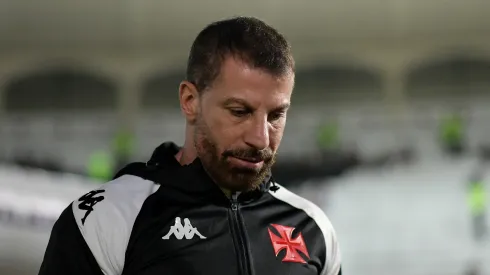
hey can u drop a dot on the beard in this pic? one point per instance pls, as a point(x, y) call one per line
point(217, 165)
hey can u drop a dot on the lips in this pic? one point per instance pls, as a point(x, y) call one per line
point(253, 160)
point(246, 163)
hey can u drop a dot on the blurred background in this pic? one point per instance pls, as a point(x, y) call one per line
point(388, 133)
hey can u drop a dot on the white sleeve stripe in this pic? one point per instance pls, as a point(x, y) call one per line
point(108, 227)
point(332, 260)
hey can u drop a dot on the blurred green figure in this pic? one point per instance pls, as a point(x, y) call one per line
point(123, 148)
point(452, 134)
point(100, 166)
point(328, 137)
point(477, 202)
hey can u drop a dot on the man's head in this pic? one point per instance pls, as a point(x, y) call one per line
point(240, 77)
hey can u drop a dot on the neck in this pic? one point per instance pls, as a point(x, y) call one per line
point(188, 154)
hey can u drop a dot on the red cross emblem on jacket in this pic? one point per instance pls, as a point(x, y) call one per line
point(286, 241)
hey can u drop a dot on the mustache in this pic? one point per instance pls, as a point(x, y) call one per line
point(250, 154)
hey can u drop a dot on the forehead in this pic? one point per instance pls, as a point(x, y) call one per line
point(255, 86)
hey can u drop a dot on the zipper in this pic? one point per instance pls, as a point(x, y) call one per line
point(239, 235)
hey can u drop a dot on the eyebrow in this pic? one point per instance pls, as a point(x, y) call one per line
point(234, 100)
point(282, 107)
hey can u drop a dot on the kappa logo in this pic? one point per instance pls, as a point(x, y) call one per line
point(88, 201)
point(286, 241)
point(180, 231)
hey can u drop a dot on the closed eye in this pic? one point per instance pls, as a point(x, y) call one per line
point(239, 112)
point(276, 116)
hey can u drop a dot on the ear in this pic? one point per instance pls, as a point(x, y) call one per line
point(189, 101)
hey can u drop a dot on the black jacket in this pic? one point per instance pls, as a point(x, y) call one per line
point(164, 218)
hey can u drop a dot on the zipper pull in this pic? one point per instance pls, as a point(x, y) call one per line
point(234, 201)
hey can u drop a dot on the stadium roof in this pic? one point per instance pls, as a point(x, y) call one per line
point(172, 24)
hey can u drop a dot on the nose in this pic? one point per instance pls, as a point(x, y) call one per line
point(257, 135)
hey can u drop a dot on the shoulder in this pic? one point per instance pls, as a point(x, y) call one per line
point(310, 208)
point(332, 261)
point(105, 217)
point(120, 198)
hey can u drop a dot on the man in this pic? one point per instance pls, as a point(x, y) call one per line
point(477, 202)
point(452, 134)
point(237, 220)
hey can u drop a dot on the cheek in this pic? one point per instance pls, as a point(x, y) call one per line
point(224, 132)
point(230, 137)
point(275, 137)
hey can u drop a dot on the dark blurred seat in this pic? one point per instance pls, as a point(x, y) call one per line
point(291, 171)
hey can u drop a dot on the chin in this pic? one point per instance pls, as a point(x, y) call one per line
point(239, 185)
point(248, 185)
